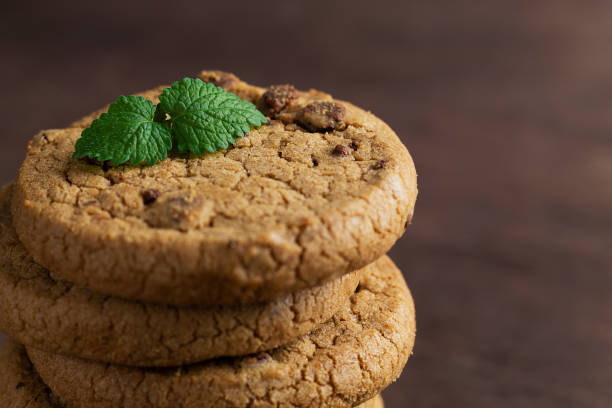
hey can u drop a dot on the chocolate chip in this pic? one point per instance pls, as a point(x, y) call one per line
point(219, 78)
point(315, 162)
point(379, 165)
point(280, 154)
point(19, 385)
point(181, 210)
point(341, 150)
point(322, 116)
point(354, 145)
point(277, 97)
point(149, 196)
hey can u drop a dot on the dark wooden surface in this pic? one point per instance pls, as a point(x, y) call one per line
point(506, 107)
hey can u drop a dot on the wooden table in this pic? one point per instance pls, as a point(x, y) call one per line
point(505, 105)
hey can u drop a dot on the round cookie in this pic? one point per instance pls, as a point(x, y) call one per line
point(20, 386)
point(61, 318)
point(348, 360)
point(324, 188)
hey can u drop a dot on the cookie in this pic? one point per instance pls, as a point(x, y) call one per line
point(348, 360)
point(324, 188)
point(58, 317)
point(20, 385)
point(376, 402)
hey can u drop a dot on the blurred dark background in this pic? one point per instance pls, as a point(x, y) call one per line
point(506, 107)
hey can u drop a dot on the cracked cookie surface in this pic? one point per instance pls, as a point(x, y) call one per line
point(279, 211)
point(58, 317)
point(21, 387)
point(350, 359)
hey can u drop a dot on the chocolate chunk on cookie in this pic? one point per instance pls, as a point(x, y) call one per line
point(322, 116)
point(345, 362)
point(277, 97)
point(56, 316)
point(182, 210)
point(295, 215)
point(341, 150)
point(220, 78)
point(150, 195)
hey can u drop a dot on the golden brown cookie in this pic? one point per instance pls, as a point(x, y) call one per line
point(58, 317)
point(20, 386)
point(348, 360)
point(323, 189)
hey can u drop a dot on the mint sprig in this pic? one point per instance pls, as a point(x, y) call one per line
point(125, 133)
point(203, 117)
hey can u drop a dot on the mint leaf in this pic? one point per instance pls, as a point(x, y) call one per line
point(127, 132)
point(205, 117)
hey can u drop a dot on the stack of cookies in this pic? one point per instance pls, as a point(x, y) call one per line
point(253, 277)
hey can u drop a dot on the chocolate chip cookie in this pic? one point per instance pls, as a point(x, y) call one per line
point(20, 385)
point(348, 360)
point(322, 189)
point(56, 316)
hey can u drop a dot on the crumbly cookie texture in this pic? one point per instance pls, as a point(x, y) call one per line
point(323, 189)
point(20, 386)
point(350, 359)
point(56, 316)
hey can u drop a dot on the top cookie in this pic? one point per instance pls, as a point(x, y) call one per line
point(322, 189)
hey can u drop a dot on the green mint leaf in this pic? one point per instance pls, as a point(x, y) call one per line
point(205, 117)
point(127, 132)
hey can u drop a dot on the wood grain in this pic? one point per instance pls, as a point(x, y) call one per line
point(505, 106)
